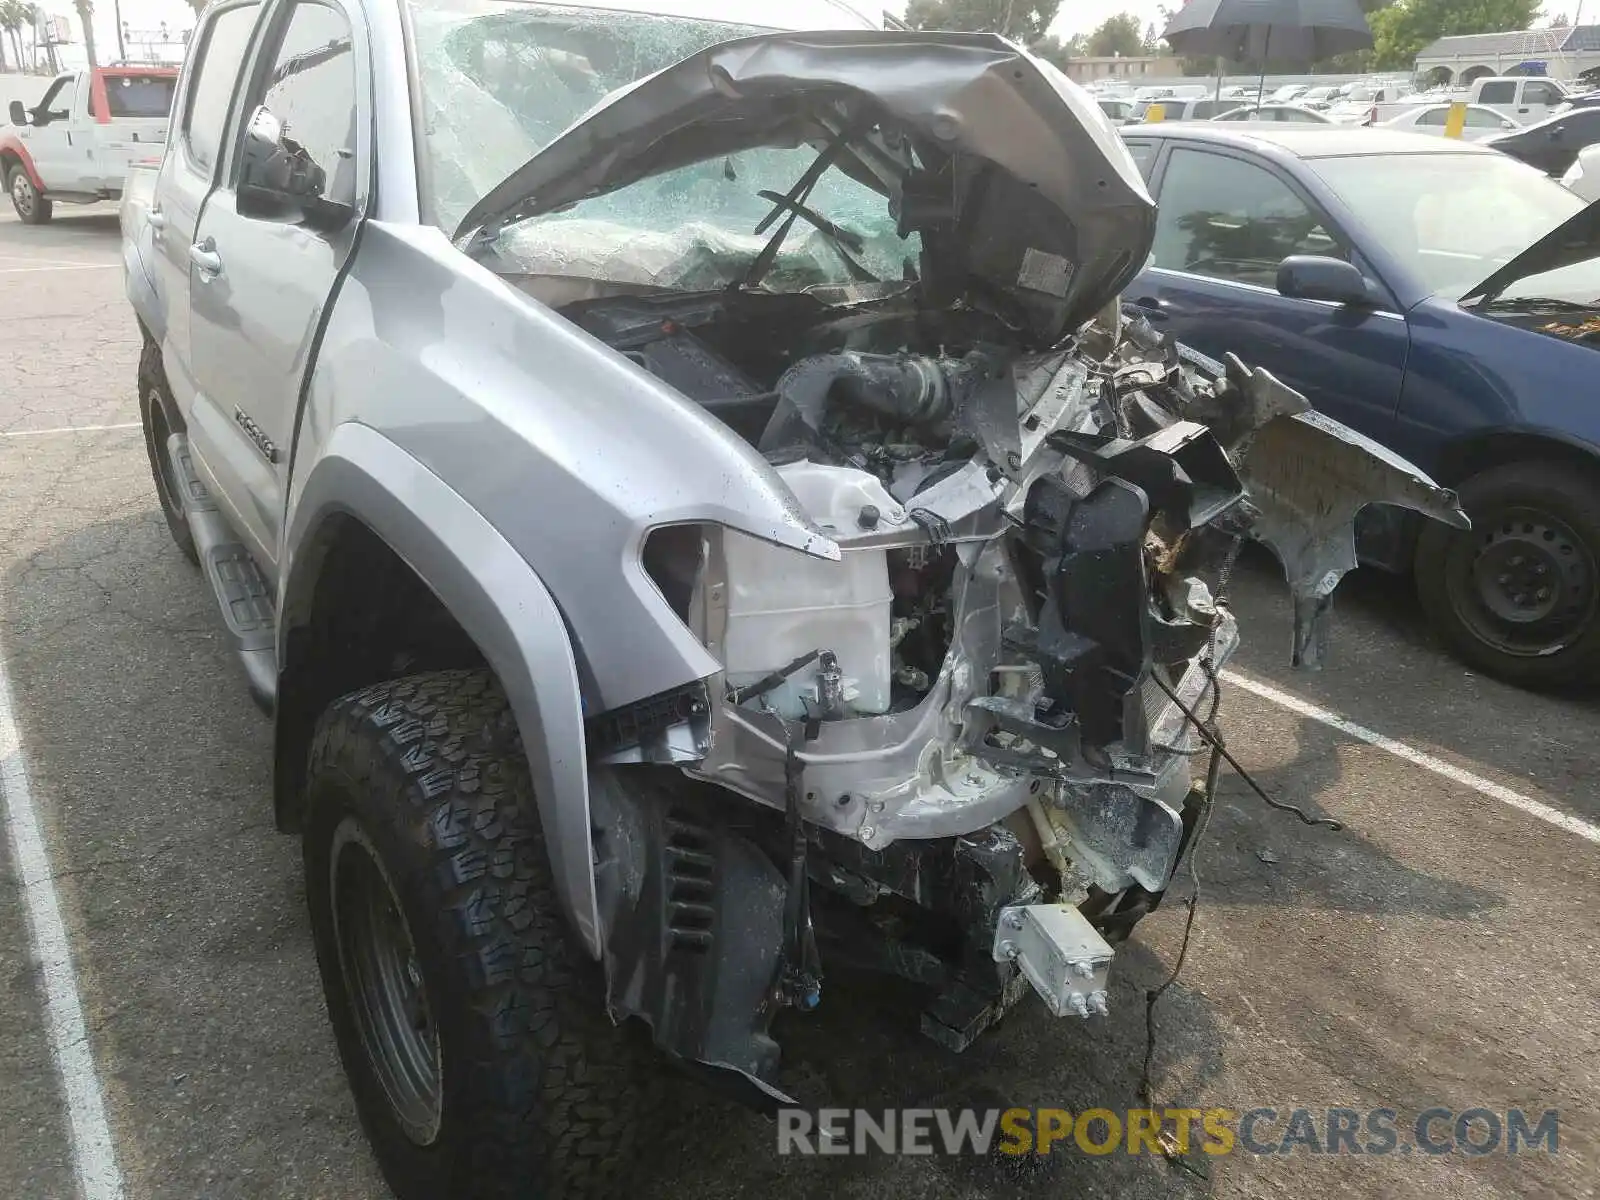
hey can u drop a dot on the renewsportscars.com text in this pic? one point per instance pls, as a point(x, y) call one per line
point(1215, 1131)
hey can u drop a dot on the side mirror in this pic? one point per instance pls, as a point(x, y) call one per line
point(1315, 277)
point(279, 182)
point(18, 114)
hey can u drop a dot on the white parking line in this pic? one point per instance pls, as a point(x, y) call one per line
point(1487, 787)
point(15, 433)
point(93, 1154)
point(60, 267)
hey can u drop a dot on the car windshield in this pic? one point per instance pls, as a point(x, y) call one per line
point(140, 95)
point(500, 81)
point(1455, 219)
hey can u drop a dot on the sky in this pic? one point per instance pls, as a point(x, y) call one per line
point(1076, 16)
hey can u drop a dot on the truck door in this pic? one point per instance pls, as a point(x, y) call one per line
point(193, 155)
point(259, 285)
point(1539, 97)
point(47, 139)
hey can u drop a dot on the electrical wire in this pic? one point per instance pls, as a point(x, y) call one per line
point(1215, 740)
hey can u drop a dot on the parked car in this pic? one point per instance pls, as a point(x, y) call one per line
point(641, 473)
point(1319, 97)
point(1288, 92)
point(1365, 104)
point(1186, 108)
point(1581, 100)
point(76, 144)
point(1583, 176)
point(1118, 111)
point(1290, 114)
point(1479, 122)
point(1388, 276)
point(1552, 144)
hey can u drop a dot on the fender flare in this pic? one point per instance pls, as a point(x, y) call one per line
point(11, 144)
point(501, 603)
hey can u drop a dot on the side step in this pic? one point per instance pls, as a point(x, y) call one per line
point(242, 591)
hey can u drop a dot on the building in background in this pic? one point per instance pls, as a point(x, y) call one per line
point(1565, 52)
point(1131, 67)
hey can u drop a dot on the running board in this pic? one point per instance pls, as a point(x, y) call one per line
point(243, 594)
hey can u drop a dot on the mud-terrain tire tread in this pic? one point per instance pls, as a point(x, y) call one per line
point(555, 1100)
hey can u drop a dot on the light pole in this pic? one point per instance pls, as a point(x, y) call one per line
point(122, 50)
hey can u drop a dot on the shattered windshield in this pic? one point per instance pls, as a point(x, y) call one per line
point(499, 81)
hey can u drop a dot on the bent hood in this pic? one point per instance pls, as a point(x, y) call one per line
point(1575, 240)
point(1026, 200)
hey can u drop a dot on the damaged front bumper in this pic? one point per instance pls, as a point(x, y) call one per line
point(1033, 796)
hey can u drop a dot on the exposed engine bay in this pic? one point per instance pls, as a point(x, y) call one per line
point(976, 719)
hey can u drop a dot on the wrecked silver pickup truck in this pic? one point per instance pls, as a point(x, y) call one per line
point(735, 535)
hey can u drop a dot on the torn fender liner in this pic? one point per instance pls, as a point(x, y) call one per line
point(693, 913)
point(1308, 476)
point(1016, 183)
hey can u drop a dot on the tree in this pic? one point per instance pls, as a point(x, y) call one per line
point(1403, 29)
point(13, 15)
point(86, 18)
point(1053, 50)
point(1023, 21)
point(1117, 36)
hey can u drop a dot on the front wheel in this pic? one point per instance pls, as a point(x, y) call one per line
point(1518, 596)
point(472, 1030)
point(33, 208)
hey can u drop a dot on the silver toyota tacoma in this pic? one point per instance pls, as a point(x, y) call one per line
point(690, 502)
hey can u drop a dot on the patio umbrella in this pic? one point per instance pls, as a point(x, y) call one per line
point(1302, 30)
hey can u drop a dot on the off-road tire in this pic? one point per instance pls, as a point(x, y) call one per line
point(158, 413)
point(542, 1095)
point(31, 207)
point(1570, 497)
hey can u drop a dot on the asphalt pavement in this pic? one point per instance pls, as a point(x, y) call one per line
point(1440, 949)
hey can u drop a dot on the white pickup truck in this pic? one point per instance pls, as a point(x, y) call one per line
point(1525, 99)
point(77, 143)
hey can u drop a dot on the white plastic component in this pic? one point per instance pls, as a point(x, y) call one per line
point(783, 605)
point(1060, 953)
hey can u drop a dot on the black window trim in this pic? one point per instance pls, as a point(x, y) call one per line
point(268, 38)
point(1157, 182)
point(191, 80)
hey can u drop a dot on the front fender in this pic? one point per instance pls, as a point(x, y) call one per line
point(496, 598)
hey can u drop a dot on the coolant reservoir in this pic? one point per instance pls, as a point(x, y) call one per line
point(782, 604)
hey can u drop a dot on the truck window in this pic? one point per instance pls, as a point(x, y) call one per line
point(216, 69)
point(139, 95)
point(1539, 92)
point(1499, 91)
point(56, 103)
point(312, 91)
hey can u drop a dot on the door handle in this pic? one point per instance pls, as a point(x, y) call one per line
point(157, 221)
point(1151, 308)
point(204, 255)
